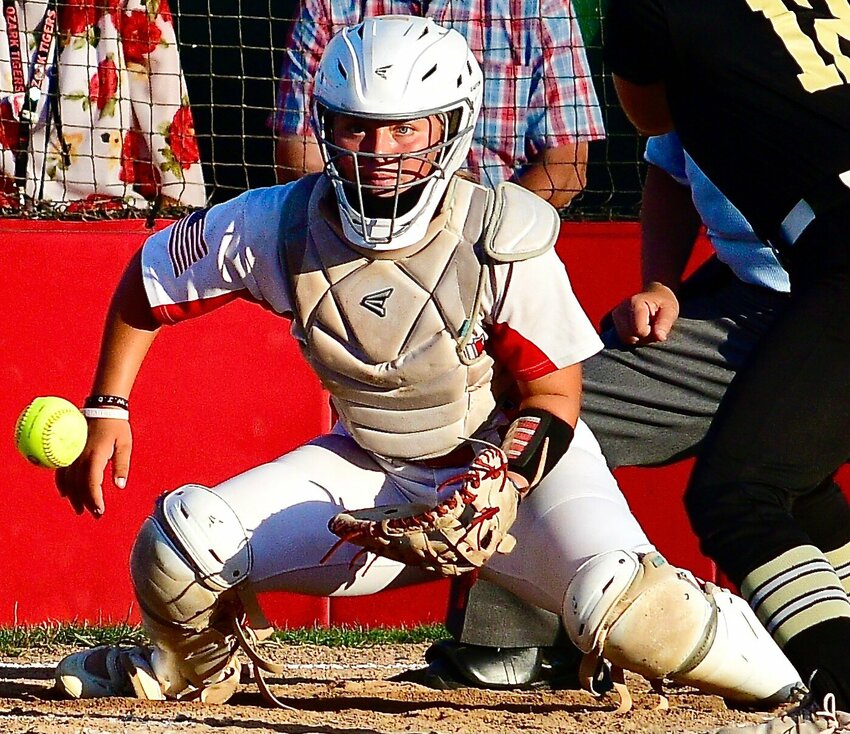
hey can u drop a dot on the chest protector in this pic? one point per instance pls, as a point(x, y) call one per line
point(396, 337)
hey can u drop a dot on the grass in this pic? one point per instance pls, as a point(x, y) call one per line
point(51, 635)
point(360, 637)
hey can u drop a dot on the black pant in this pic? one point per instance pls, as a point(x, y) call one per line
point(783, 427)
point(781, 432)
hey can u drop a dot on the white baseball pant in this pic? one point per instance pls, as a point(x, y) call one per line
point(576, 512)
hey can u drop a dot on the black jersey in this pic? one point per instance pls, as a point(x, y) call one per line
point(758, 90)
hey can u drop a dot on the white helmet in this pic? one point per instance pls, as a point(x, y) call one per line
point(397, 67)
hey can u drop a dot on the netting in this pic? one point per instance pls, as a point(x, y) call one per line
point(156, 107)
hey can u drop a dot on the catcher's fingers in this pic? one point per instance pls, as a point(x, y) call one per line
point(82, 482)
point(110, 440)
point(92, 497)
point(121, 462)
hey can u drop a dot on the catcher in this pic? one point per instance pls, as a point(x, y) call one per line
point(438, 316)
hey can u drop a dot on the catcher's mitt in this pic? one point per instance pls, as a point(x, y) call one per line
point(458, 535)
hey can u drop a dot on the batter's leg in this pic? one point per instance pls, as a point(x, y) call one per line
point(782, 431)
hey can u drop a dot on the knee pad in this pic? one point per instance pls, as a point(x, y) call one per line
point(649, 617)
point(190, 552)
point(187, 553)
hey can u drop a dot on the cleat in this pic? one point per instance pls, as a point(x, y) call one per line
point(806, 718)
point(107, 671)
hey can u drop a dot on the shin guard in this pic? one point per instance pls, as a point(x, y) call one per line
point(649, 617)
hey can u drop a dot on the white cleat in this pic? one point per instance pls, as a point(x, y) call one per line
point(106, 671)
point(806, 718)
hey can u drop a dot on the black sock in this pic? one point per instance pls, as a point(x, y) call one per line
point(825, 651)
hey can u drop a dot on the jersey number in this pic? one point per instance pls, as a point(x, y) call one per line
point(816, 74)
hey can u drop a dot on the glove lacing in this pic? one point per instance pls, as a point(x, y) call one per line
point(470, 479)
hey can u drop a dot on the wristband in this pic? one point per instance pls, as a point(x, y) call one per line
point(103, 401)
point(117, 413)
point(535, 442)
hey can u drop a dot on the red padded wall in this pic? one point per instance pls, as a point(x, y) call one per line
point(229, 391)
point(603, 261)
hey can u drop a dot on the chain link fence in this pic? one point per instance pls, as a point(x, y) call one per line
point(147, 108)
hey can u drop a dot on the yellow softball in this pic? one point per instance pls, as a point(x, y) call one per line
point(51, 432)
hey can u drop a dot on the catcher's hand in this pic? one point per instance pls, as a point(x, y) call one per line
point(458, 535)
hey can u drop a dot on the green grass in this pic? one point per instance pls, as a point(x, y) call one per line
point(13, 640)
point(53, 634)
point(360, 637)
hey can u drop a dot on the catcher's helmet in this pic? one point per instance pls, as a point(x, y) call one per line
point(397, 67)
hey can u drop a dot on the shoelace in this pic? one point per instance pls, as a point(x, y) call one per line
point(829, 711)
point(805, 710)
point(248, 641)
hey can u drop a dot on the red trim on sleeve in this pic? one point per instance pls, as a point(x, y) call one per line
point(523, 359)
point(173, 313)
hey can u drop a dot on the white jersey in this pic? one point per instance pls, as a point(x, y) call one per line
point(532, 323)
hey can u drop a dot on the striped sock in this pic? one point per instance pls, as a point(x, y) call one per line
point(796, 591)
point(840, 561)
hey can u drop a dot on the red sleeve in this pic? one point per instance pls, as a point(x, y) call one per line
point(173, 313)
point(522, 358)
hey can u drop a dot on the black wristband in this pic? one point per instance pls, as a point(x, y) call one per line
point(535, 442)
point(106, 401)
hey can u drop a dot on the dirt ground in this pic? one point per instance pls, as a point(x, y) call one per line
point(347, 691)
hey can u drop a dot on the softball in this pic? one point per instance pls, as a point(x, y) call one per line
point(51, 432)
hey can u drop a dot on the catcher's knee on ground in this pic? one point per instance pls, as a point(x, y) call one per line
point(188, 557)
point(649, 617)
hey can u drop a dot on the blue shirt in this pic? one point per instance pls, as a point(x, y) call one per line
point(730, 234)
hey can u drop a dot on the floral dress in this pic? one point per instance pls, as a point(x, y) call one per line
point(122, 132)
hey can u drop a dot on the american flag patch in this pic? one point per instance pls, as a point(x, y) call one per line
point(519, 435)
point(186, 242)
point(475, 348)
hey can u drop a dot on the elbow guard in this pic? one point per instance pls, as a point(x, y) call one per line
point(535, 442)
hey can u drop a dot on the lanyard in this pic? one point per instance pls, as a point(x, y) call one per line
point(27, 94)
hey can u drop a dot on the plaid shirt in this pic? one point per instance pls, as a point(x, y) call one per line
point(538, 92)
